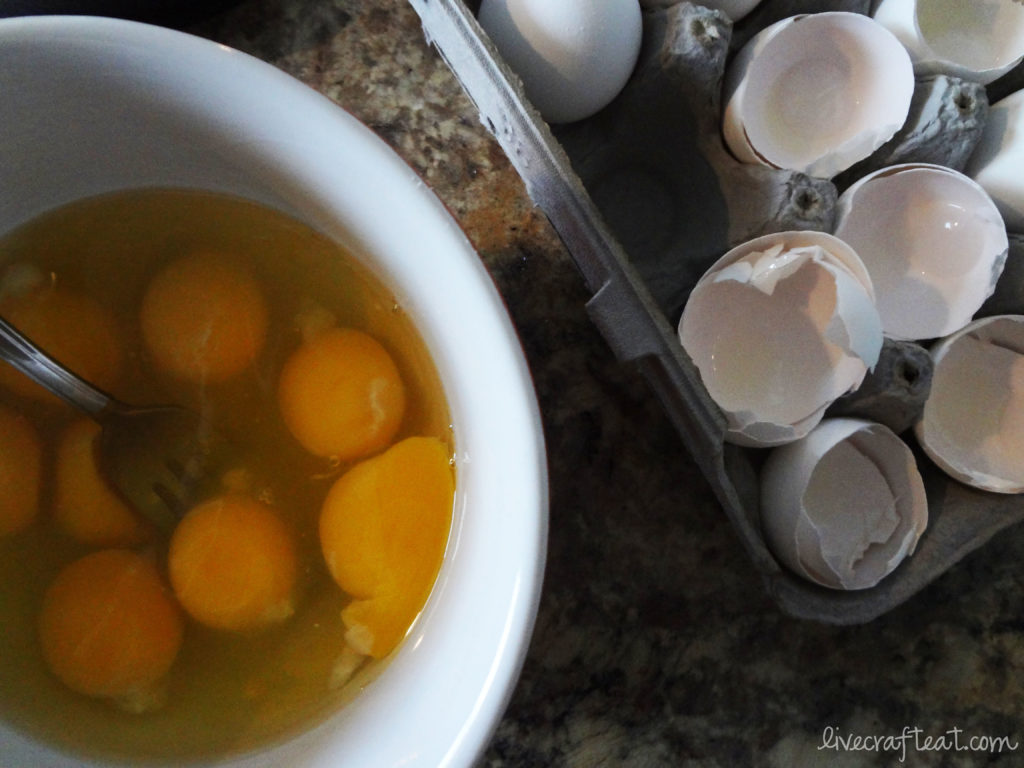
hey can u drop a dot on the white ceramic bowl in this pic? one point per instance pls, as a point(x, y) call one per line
point(91, 105)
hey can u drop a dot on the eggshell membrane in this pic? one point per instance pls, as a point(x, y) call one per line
point(973, 420)
point(780, 327)
point(977, 40)
point(573, 56)
point(844, 505)
point(999, 156)
point(816, 93)
point(933, 241)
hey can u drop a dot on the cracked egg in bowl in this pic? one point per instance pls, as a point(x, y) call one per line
point(360, 585)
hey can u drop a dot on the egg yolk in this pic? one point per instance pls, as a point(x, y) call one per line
point(108, 626)
point(203, 319)
point(84, 506)
point(383, 529)
point(20, 471)
point(233, 564)
point(73, 328)
point(341, 395)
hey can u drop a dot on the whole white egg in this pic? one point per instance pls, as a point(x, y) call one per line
point(573, 56)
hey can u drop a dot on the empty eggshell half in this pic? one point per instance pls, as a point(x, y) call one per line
point(845, 505)
point(778, 328)
point(999, 157)
point(977, 40)
point(816, 93)
point(973, 420)
point(933, 241)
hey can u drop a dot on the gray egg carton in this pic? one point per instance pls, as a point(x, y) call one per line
point(645, 197)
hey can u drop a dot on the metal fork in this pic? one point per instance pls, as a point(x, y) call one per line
point(158, 458)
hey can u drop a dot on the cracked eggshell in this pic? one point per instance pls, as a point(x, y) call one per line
point(977, 40)
point(973, 421)
point(844, 505)
point(573, 56)
point(778, 328)
point(933, 241)
point(816, 93)
point(997, 160)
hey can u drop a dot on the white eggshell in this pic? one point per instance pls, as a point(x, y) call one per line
point(778, 328)
point(999, 157)
point(816, 93)
point(933, 241)
point(573, 56)
point(844, 505)
point(973, 420)
point(977, 40)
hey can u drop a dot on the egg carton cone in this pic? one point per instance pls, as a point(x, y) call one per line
point(642, 239)
point(945, 123)
point(894, 391)
point(654, 163)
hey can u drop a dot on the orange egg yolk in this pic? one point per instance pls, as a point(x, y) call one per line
point(233, 564)
point(383, 529)
point(73, 328)
point(84, 505)
point(341, 395)
point(20, 471)
point(108, 626)
point(203, 319)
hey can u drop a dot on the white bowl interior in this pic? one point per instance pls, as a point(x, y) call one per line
point(93, 105)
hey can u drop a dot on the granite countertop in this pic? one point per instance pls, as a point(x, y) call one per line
point(655, 644)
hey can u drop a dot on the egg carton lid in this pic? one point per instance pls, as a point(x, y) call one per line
point(639, 333)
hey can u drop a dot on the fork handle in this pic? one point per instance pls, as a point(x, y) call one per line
point(24, 355)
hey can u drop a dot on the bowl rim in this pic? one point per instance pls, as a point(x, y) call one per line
point(502, 458)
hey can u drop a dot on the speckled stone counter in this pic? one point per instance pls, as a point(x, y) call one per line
point(655, 644)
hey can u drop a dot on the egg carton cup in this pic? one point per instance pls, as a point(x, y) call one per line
point(645, 198)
